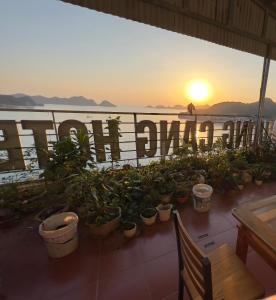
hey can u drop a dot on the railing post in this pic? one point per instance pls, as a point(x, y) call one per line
point(55, 125)
point(136, 136)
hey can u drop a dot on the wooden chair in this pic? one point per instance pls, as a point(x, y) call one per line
point(218, 275)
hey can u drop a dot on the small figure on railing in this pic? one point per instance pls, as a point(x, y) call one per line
point(191, 108)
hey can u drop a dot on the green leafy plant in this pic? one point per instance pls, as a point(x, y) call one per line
point(69, 156)
point(183, 189)
point(149, 212)
point(9, 197)
point(237, 179)
point(90, 194)
point(258, 171)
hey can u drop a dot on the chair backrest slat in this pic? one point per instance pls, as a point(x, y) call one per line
point(191, 254)
point(193, 280)
point(192, 262)
point(194, 275)
point(185, 236)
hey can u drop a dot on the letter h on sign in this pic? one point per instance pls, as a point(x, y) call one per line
point(101, 140)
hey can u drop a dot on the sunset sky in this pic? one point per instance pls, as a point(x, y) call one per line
point(56, 49)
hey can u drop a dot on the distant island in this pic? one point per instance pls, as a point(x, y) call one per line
point(230, 108)
point(240, 108)
point(26, 100)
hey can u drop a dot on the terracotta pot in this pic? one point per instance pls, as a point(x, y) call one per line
point(164, 212)
point(104, 230)
point(129, 233)
point(149, 220)
point(183, 200)
point(258, 182)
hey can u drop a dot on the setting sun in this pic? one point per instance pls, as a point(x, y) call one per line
point(198, 90)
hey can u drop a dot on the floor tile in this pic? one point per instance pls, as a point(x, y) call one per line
point(157, 240)
point(86, 292)
point(114, 261)
point(162, 275)
point(126, 285)
point(227, 237)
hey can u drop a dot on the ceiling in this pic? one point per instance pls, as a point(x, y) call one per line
point(246, 25)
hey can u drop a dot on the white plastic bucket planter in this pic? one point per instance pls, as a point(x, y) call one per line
point(202, 197)
point(60, 234)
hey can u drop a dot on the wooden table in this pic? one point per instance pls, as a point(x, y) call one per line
point(257, 229)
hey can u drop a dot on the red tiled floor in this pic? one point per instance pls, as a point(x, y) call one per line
point(116, 269)
point(162, 270)
point(130, 284)
point(118, 260)
point(157, 240)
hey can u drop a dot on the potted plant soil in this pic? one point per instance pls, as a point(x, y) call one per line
point(148, 216)
point(52, 210)
point(130, 229)
point(164, 211)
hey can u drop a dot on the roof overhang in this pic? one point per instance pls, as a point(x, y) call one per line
point(246, 25)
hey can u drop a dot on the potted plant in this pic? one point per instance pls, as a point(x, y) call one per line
point(95, 201)
point(164, 212)
point(102, 219)
point(258, 174)
point(164, 184)
point(267, 171)
point(182, 193)
point(68, 157)
point(129, 229)
point(199, 176)
point(238, 180)
point(240, 165)
point(148, 215)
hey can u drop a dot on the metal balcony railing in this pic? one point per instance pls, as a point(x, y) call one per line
point(131, 135)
